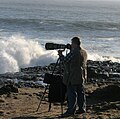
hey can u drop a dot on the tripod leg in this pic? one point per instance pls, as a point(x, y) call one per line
point(61, 108)
point(49, 106)
point(41, 99)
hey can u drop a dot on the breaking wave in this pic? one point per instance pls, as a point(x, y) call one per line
point(18, 52)
point(96, 57)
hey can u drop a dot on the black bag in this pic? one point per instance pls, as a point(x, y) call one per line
point(57, 93)
point(52, 78)
point(57, 89)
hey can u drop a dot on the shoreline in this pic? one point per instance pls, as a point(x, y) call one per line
point(97, 71)
point(101, 92)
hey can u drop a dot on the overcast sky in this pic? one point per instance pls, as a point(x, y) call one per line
point(58, 0)
point(54, 1)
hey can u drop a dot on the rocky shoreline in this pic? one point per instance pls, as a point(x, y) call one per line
point(22, 92)
point(97, 71)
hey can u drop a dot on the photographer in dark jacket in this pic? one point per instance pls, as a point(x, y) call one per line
point(74, 77)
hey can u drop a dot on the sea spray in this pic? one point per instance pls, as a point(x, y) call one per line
point(7, 63)
point(17, 51)
point(97, 57)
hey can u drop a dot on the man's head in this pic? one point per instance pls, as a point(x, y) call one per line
point(75, 42)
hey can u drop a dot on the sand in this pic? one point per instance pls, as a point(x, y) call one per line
point(23, 105)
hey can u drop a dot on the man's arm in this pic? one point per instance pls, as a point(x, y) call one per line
point(67, 58)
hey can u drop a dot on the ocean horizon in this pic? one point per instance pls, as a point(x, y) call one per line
point(26, 26)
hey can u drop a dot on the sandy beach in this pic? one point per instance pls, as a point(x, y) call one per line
point(23, 105)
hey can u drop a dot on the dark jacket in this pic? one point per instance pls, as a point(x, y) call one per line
point(75, 69)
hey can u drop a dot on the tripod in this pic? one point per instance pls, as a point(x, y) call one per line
point(48, 87)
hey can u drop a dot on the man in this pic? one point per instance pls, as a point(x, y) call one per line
point(74, 76)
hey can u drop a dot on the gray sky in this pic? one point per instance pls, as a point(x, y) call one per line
point(58, 0)
point(54, 1)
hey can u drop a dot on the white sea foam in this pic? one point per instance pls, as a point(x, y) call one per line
point(16, 52)
point(96, 57)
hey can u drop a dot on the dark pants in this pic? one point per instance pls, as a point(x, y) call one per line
point(76, 96)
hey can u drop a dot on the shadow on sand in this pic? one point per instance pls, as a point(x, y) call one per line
point(25, 117)
point(31, 117)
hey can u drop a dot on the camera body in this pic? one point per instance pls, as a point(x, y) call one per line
point(54, 46)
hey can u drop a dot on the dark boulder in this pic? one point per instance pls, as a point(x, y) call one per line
point(108, 93)
point(8, 89)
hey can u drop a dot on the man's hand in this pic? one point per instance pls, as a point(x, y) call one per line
point(60, 52)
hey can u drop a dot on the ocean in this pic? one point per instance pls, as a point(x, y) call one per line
point(27, 25)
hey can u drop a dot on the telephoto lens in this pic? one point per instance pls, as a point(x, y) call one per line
point(53, 46)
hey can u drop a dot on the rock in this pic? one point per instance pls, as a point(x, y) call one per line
point(2, 100)
point(97, 71)
point(114, 75)
point(15, 97)
point(8, 89)
point(1, 113)
point(103, 69)
point(108, 93)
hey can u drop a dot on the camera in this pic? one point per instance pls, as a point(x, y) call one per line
point(53, 46)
